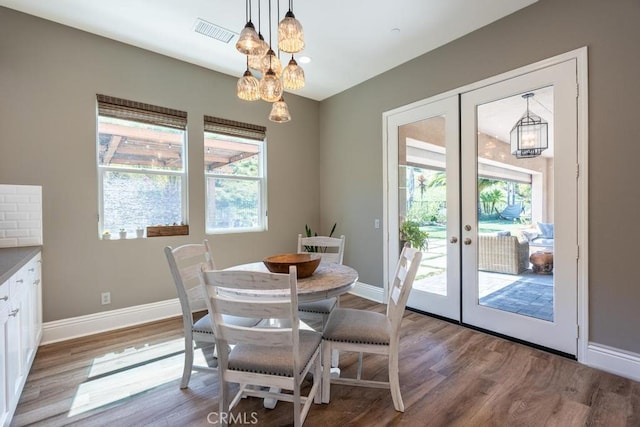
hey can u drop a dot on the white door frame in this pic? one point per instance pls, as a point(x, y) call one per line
point(580, 55)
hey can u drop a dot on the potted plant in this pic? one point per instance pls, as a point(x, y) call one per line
point(309, 233)
point(139, 232)
point(106, 235)
point(123, 233)
point(410, 232)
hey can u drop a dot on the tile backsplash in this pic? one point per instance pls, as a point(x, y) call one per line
point(20, 215)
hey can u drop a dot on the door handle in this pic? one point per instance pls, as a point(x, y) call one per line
point(453, 239)
point(14, 313)
point(467, 227)
point(5, 298)
point(467, 241)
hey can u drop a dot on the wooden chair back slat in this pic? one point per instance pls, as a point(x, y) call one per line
point(330, 248)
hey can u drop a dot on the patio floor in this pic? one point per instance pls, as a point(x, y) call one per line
point(528, 294)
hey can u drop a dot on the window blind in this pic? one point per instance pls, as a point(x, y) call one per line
point(140, 112)
point(233, 128)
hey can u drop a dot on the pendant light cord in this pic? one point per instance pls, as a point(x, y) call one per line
point(270, 68)
point(270, 25)
point(259, 19)
point(278, 16)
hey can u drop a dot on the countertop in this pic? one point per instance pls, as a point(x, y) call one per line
point(12, 259)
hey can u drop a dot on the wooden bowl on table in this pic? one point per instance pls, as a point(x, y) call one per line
point(305, 264)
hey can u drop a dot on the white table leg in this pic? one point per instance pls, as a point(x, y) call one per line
point(270, 402)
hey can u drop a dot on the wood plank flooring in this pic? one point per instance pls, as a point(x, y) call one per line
point(450, 376)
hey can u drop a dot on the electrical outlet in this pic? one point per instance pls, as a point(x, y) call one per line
point(376, 223)
point(106, 298)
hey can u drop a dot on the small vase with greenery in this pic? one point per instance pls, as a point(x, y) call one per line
point(410, 232)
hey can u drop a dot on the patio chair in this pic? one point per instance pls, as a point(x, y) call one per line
point(511, 212)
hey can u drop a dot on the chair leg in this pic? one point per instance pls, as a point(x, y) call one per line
point(335, 355)
point(317, 379)
point(209, 351)
point(224, 410)
point(394, 382)
point(359, 373)
point(326, 371)
point(297, 413)
point(188, 362)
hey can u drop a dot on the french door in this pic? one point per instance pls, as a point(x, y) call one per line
point(502, 242)
point(424, 158)
point(520, 285)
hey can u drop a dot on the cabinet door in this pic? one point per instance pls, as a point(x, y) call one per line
point(35, 309)
point(25, 305)
point(29, 308)
point(15, 365)
point(4, 384)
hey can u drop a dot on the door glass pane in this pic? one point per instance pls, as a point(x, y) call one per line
point(422, 207)
point(515, 204)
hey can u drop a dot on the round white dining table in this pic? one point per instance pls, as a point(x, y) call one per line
point(329, 280)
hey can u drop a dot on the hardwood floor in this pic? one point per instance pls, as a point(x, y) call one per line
point(450, 376)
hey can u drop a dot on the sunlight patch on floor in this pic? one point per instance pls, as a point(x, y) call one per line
point(121, 375)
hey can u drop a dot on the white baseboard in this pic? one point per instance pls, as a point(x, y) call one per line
point(75, 327)
point(616, 361)
point(369, 292)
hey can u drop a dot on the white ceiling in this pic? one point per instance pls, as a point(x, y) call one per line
point(348, 41)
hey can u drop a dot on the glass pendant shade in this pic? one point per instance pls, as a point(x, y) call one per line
point(280, 112)
point(270, 60)
point(293, 76)
point(248, 41)
point(255, 61)
point(290, 34)
point(248, 87)
point(529, 136)
point(260, 56)
point(270, 87)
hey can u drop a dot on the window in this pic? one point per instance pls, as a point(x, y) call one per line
point(141, 165)
point(235, 175)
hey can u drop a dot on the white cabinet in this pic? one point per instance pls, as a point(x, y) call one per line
point(21, 321)
point(4, 328)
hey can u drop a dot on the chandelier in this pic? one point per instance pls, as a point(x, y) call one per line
point(262, 58)
point(529, 136)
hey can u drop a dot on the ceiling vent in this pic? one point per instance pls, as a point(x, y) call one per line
point(214, 31)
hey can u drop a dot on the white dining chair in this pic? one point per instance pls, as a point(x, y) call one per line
point(278, 355)
point(366, 331)
point(331, 249)
point(185, 263)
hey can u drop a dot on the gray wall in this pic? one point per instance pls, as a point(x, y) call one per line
point(49, 77)
point(351, 135)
